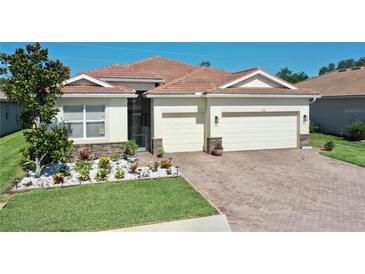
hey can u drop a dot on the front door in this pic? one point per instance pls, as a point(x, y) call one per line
point(139, 120)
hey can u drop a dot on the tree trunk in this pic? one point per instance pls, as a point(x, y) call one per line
point(39, 166)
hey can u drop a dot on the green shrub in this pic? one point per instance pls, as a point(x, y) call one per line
point(47, 145)
point(102, 174)
point(65, 170)
point(313, 127)
point(84, 174)
point(26, 162)
point(154, 166)
point(104, 163)
point(119, 173)
point(329, 145)
point(115, 157)
point(82, 164)
point(356, 130)
point(131, 147)
point(160, 152)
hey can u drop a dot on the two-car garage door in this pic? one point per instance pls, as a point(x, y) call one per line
point(251, 131)
point(182, 132)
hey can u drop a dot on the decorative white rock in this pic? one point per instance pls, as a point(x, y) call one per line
point(46, 180)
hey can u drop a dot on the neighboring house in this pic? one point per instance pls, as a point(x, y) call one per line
point(342, 101)
point(164, 103)
point(9, 116)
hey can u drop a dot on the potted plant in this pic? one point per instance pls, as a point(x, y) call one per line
point(329, 145)
point(218, 150)
point(130, 150)
point(160, 153)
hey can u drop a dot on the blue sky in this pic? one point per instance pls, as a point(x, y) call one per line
point(307, 57)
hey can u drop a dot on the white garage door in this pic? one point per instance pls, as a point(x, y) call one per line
point(251, 131)
point(183, 132)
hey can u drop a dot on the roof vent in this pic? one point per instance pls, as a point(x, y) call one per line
point(342, 70)
point(356, 68)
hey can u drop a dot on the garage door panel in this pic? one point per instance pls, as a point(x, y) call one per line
point(183, 131)
point(250, 131)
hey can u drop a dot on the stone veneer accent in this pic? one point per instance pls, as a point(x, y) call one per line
point(212, 142)
point(100, 149)
point(156, 145)
point(304, 140)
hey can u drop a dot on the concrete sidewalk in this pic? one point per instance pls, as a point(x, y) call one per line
point(216, 223)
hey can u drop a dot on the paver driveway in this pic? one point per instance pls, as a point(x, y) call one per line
point(280, 190)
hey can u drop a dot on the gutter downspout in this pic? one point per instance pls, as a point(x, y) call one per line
point(313, 100)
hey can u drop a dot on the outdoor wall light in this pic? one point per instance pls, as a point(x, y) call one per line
point(305, 118)
point(216, 120)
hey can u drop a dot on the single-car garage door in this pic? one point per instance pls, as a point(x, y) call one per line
point(183, 132)
point(251, 131)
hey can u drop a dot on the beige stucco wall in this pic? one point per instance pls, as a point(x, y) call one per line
point(116, 117)
point(212, 107)
point(173, 105)
point(219, 105)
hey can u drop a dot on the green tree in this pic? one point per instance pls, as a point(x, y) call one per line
point(343, 64)
point(292, 77)
point(323, 70)
point(34, 81)
point(328, 68)
point(360, 62)
point(205, 64)
point(331, 67)
point(347, 63)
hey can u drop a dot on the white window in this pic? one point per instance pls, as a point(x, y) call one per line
point(85, 121)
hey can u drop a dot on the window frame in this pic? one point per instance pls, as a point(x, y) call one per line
point(84, 121)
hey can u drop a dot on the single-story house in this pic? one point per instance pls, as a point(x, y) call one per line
point(342, 99)
point(9, 116)
point(164, 103)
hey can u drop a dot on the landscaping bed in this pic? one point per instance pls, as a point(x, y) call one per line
point(97, 207)
point(95, 171)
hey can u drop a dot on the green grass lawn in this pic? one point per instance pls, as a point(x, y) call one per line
point(10, 159)
point(348, 151)
point(103, 206)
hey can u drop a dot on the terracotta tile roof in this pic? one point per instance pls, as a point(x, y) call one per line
point(338, 83)
point(96, 89)
point(206, 79)
point(179, 78)
point(151, 68)
point(199, 80)
point(236, 75)
point(121, 71)
point(251, 90)
point(168, 69)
